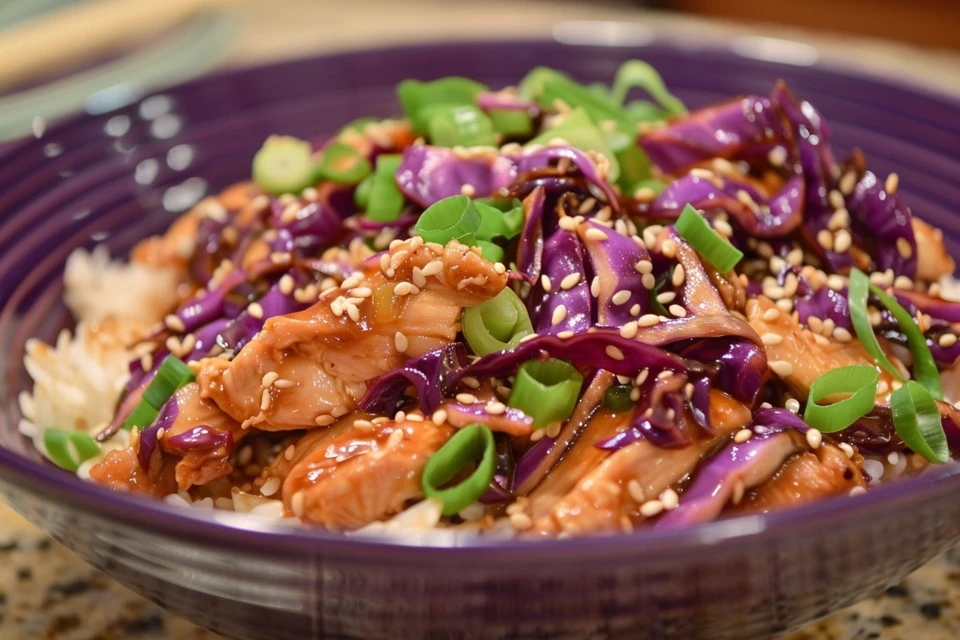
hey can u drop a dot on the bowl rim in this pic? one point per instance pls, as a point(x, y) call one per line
point(215, 529)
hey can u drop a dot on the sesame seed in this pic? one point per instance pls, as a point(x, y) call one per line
point(296, 504)
point(400, 416)
point(792, 405)
point(635, 310)
point(361, 292)
point(642, 377)
point(777, 156)
point(782, 368)
point(146, 361)
point(567, 223)
point(468, 190)
point(836, 199)
point(324, 420)
point(651, 508)
point(795, 257)
point(882, 387)
point(903, 282)
point(621, 297)
point(893, 457)
point(723, 227)
point(339, 411)
point(825, 239)
point(289, 452)
point(439, 417)
point(614, 352)
point(521, 521)
point(595, 234)
point(677, 311)
point(563, 335)
point(270, 487)
point(842, 241)
point(466, 398)
point(352, 311)
point(814, 438)
point(679, 274)
point(771, 339)
point(269, 378)
point(904, 248)
point(649, 281)
point(587, 205)
point(173, 345)
point(630, 330)
point(287, 284)
point(634, 394)
point(738, 490)
point(432, 268)
point(364, 425)
point(669, 499)
point(635, 490)
point(403, 288)
point(255, 310)
point(174, 323)
point(595, 286)
point(700, 172)
point(842, 335)
point(528, 338)
point(666, 297)
point(847, 183)
point(499, 267)
point(400, 342)
point(840, 219)
point(644, 194)
point(537, 435)
point(847, 449)
point(836, 282)
point(891, 183)
point(496, 408)
point(669, 248)
point(394, 439)
point(742, 436)
point(265, 400)
point(770, 315)
point(558, 315)
point(570, 281)
point(648, 320)
point(471, 382)
point(947, 340)
point(744, 198)
point(857, 491)
point(643, 267)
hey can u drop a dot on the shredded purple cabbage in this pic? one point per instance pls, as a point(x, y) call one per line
point(434, 375)
point(562, 256)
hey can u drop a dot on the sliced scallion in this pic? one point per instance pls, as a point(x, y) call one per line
point(916, 418)
point(385, 202)
point(546, 390)
point(142, 416)
point(700, 235)
point(857, 381)
point(637, 73)
point(581, 132)
point(471, 444)
point(68, 449)
point(361, 195)
point(511, 123)
point(171, 375)
point(418, 97)
point(498, 223)
point(284, 164)
point(342, 164)
point(857, 301)
point(460, 125)
point(453, 218)
point(496, 324)
point(617, 398)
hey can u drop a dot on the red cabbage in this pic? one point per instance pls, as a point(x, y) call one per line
point(660, 416)
point(315, 227)
point(209, 306)
point(200, 437)
point(274, 302)
point(614, 262)
point(434, 375)
point(538, 158)
point(739, 365)
point(885, 220)
point(562, 255)
point(512, 421)
point(429, 174)
point(148, 451)
point(938, 308)
point(530, 245)
point(501, 487)
point(826, 304)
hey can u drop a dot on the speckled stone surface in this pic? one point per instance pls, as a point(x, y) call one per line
point(47, 593)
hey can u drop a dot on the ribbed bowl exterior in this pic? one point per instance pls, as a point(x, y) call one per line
point(117, 176)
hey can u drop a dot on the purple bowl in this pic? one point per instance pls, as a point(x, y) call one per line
point(116, 177)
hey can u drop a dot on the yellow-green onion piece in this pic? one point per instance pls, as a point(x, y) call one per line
point(858, 381)
point(511, 123)
point(546, 390)
point(546, 86)
point(916, 418)
point(68, 449)
point(503, 221)
point(342, 164)
point(924, 366)
point(857, 301)
point(142, 416)
point(417, 98)
point(496, 324)
point(637, 73)
point(617, 398)
point(361, 195)
point(471, 444)
point(491, 251)
point(284, 164)
point(460, 125)
point(453, 218)
point(171, 375)
point(385, 202)
point(700, 235)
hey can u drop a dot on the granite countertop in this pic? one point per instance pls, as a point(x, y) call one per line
point(47, 593)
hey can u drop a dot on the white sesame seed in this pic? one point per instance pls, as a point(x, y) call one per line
point(564, 335)
point(648, 320)
point(286, 284)
point(677, 311)
point(635, 490)
point(649, 281)
point(466, 398)
point(782, 368)
point(893, 457)
point(891, 183)
point(679, 274)
point(742, 436)
point(857, 491)
point(738, 490)
point(595, 286)
point(771, 339)
point(904, 248)
point(496, 408)
point(403, 288)
point(847, 449)
point(432, 268)
point(595, 234)
point(567, 223)
point(630, 330)
point(146, 361)
point(947, 340)
point(777, 156)
point(265, 400)
point(814, 438)
point(270, 487)
point(255, 310)
point(669, 499)
point(614, 352)
point(644, 267)
point(621, 297)
point(651, 508)
point(666, 297)
point(669, 248)
point(400, 342)
point(635, 310)
point(842, 335)
point(289, 452)
point(587, 205)
point(847, 183)
point(339, 411)
point(269, 378)
point(439, 417)
point(545, 283)
point(296, 504)
point(174, 323)
point(471, 382)
point(559, 313)
point(520, 521)
point(324, 420)
point(842, 241)
point(468, 190)
point(771, 315)
point(792, 405)
point(700, 172)
point(825, 239)
point(570, 281)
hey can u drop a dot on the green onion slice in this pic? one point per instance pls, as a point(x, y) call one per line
point(924, 366)
point(385, 202)
point(460, 125)
point(860, 381)
point(496, 324)
point(546, 390)
point(916, 418)
point(637, 73)
point(491, 251)
point(499, 223)
point(581, 132)
point(361, 195)
point(511, 123)
point(68, 449)
point(171, 375)
point(617, 398)
point(342, 164)
point(546, 86)
point(857, 301)
point(453, 218)
point(284, 165)
point(473, 443)
point(417, 97)
point(142, 416)
point(700, 235)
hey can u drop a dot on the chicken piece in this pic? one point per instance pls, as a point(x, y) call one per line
point(200, 465)
point(805, 478)
point(325, 355)
point(588, 491)
point(808, 357)
point(120, 470)
point(350, 477)
point(933, 261)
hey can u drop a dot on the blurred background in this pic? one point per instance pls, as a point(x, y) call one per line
point(65, 55)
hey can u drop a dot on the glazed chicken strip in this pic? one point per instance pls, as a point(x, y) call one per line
point(590, 490)
point(801, 356)
point(933, 261)
point(321, 359)
point(349, 476)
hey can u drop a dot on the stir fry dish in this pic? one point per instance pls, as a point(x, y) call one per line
point(549, 310)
